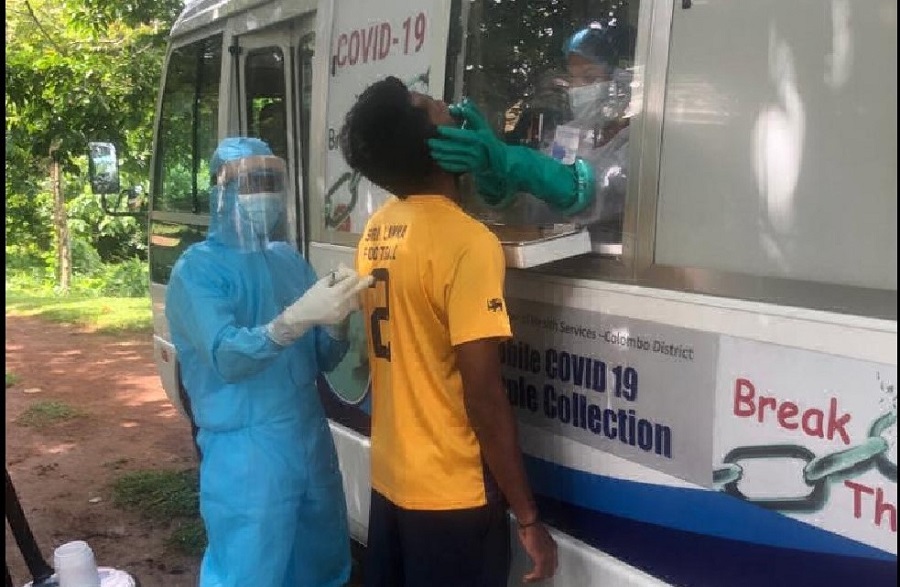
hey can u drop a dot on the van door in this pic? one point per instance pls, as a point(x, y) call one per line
point(271, 105)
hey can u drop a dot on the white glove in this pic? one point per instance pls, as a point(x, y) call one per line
point(328, 302)
point(341, 273)
point(340, 330)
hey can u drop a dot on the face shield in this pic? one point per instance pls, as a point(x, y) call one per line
point(597, 92)
point(256, 187)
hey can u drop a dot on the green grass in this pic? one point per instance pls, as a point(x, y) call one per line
point(188, 538)
point(46, 413)
point(12, 379)
point(159, 495)
point(99, 314)
point(166, 496)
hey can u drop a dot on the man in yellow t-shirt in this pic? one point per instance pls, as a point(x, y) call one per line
point(445, 457)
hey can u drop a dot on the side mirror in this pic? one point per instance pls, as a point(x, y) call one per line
point(103, 168)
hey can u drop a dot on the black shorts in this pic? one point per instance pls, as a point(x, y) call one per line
point(437, 548)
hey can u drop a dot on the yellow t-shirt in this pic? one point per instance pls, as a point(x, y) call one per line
point(438, 283)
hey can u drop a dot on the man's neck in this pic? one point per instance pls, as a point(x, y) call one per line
point(447, 185)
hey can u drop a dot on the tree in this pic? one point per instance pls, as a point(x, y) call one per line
point(516, 42)
point(76, 70)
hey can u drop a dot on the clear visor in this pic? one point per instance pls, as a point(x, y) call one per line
point(254, 175)
point(257, 186)
point(592, 99)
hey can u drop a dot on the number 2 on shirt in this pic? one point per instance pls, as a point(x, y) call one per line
point(380, 314)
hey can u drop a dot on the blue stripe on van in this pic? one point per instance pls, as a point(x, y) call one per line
point(698, 537)
point(689, 559)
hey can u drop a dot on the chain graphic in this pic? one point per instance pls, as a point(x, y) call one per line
point(818, 472)
point(336, 215)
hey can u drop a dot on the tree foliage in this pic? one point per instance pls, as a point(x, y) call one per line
point(74, 75)
point(513, 44)
point(79, 71)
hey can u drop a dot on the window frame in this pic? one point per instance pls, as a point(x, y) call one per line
point(156, 178)
point(277, 37)
point(830, 297)
point(303, 54)
point(286, 35)
point(198, 219)
point(635, 263)
point(616, 262)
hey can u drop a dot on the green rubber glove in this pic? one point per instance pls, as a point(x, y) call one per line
point(501, 171)
point(474, 149)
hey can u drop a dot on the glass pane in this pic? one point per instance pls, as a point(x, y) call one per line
point(556, 77)
point(167, 242)
point(266, 115)
point(174, 185)
point(188, 118)
point(784, 166)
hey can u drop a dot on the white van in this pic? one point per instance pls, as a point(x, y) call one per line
point(706, 392)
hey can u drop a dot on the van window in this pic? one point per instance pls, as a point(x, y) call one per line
point(779, 144)
point(267, 117)
point(188, 127)
point(556, 77)
point(168, 240)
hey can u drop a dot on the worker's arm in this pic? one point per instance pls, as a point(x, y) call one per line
point(495, 427)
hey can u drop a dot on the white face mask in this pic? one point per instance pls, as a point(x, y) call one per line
point(587, 102)
point(262, 211)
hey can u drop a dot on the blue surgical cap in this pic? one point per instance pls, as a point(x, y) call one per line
point(595, 42)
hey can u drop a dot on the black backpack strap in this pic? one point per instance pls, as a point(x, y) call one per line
point(28, 546)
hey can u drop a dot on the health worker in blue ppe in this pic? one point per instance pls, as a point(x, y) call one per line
point(569, 148)
point(253, 328)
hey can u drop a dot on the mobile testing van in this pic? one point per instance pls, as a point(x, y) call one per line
point(706, 387)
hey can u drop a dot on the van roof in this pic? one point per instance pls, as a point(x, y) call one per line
point(199, 13)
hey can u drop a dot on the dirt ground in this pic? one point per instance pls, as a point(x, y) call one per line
point(60, 471)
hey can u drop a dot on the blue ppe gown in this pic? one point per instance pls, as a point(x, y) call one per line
point(271, 494)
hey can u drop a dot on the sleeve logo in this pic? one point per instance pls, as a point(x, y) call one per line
point(495, 305)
